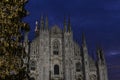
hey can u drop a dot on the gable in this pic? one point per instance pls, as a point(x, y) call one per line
point(56, 30)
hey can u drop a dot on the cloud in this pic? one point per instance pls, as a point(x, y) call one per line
point(114, 53)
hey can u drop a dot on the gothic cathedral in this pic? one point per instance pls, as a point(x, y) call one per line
point(53, 55)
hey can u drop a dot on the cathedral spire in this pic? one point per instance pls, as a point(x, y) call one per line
point(85, 57)
point(83, 39)
point(37, 27)
point(69, 24)
point(46, 23)
point(26, 39)
point(42, 22)
point(65, 26)
point(100, 54)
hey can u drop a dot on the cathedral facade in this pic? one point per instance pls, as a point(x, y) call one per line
point(54, 55)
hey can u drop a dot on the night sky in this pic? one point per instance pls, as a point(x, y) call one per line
point(98, 19)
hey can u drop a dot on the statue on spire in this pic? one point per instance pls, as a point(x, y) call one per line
point(37, 27)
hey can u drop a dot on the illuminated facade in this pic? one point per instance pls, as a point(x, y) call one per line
point(53, 55)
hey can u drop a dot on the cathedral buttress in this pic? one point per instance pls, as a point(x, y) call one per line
point(85, 58)
point(69, 24)
point(101, 65)
point(68, 52)
point(65, 26)
point(46, 23)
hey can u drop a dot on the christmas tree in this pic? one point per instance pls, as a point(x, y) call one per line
point(11, 50)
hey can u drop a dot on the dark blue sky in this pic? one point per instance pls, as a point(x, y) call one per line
point(99, 19)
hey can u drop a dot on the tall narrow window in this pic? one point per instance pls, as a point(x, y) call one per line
point(32, 65)
point(78, 66)
point(32, 78)
point(56, 70)
point(79, 79)
point(56, 47)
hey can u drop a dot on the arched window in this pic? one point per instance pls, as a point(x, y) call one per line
point(32, 78)
point(32, 65)
point(93, 77)
point(79, 77)
point(56, 47)
point(78, 66)
point(56, 70)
